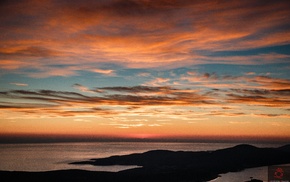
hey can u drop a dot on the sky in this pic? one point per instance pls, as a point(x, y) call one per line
point(145, 69)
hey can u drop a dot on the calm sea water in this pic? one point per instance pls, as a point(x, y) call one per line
point(55, 156)
point(260, 173)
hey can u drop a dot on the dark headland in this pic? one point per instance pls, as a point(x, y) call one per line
point(164, 165)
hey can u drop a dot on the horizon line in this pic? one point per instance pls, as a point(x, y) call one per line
point(60, 138)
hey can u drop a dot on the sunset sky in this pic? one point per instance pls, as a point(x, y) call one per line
point(145, 69)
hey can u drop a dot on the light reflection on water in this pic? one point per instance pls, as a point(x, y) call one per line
point(260, 173)
point(56, 156)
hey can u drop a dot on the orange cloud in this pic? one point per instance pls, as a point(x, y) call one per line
point(161, 101)
point(266, 98)
point(13, 64)
point(131, 33)
point(273, 115)
point(107, 101)
point(271, 83)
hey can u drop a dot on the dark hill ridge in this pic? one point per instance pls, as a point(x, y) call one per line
point(285, 148)
point(167, 166)
point(190, 164)
point(241, 156)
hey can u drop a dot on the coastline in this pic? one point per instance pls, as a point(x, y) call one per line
point(165, 165)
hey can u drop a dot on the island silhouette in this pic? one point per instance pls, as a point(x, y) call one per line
point(165, 165)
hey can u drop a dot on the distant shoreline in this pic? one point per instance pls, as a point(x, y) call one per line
point(39, 138)
point(165, 165)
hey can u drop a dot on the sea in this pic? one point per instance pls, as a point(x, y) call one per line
point(35, 157)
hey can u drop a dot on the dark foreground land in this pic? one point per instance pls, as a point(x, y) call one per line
point(167, 166)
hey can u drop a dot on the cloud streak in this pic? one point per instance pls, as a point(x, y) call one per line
point(119, 32)
point(138, 100)
point(19, 84)
point(129, 101)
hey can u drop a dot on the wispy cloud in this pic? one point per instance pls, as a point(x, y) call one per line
point(138, 100)
point(248, 81)
point(103, 103)
point(273, 115)
point(82, 88)
point(103, 71)
point(117, 31)
point(269, 100)
point(141, 89)
point(19, 84)
point(267, 82)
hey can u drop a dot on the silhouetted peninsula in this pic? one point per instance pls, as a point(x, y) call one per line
point(164, 165)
